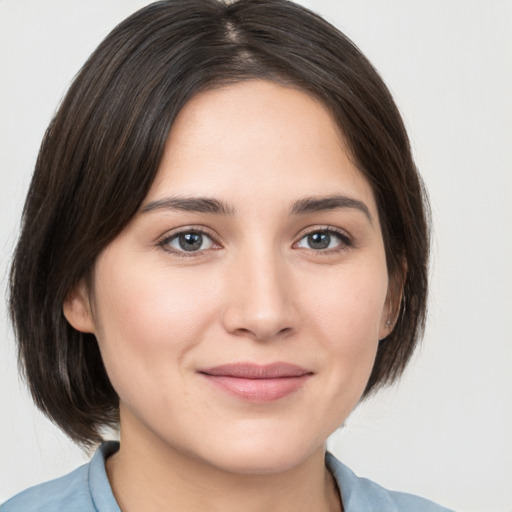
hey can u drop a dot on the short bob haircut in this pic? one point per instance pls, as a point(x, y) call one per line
point(101, 152)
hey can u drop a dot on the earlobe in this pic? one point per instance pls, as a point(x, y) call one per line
point(390, 313)
point(77, 310)
point(386, 326)
point(392, 305)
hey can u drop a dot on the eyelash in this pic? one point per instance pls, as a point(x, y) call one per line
point(164, 242)
point(345, 241)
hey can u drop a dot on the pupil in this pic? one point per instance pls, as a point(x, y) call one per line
point(191, 241)
point(319, 240)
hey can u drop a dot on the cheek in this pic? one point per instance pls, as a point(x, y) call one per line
point(145, 318)
point(135, 299)
point(347, 317)
point(351, 302)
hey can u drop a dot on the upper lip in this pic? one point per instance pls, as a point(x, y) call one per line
point(256, 371)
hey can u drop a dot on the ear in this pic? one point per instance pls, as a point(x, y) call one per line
point(77, 308)
point(393, 302)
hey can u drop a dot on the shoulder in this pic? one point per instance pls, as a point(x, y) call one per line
point(67, 492)
point(363, 494)
point(86, 489)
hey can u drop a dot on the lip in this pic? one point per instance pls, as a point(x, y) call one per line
point(257, 383)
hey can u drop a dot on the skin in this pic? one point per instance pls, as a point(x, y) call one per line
point(255, 291)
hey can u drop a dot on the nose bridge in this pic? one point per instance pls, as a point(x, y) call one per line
point(260, 301)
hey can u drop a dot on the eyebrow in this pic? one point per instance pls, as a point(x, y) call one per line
point(325, 203)
point(190, 204)
point(214, 206)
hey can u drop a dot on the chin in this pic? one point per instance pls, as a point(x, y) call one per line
point(273, 455)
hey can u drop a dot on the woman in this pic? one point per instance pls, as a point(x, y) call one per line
point(224, 247)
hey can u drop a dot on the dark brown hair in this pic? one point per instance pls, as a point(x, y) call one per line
point(102, 150)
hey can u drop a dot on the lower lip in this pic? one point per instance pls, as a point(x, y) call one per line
point(258, 390)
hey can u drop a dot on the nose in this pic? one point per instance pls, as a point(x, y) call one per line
point(261, 303)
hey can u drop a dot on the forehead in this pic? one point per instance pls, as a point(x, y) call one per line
point(257, 138)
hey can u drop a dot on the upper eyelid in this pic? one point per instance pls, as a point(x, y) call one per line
point(168, 235)
point(163, 242)
point(330, 229)
point(346, 241)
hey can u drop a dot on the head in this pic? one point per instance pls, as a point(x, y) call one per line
point(106, 150)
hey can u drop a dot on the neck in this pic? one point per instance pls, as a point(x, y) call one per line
point(147, 474)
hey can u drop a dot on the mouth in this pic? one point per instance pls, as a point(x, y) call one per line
point(257, 383)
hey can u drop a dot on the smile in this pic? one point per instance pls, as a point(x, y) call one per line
point(257, 383)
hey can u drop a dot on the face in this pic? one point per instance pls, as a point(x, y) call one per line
point(239, 313)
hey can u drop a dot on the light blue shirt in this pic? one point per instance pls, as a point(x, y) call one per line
point(87, 489)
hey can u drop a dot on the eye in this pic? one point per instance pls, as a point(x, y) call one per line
point(187, 241)
point(325, 239)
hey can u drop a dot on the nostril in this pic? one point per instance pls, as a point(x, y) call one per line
point(262, 314)
point(262, 334)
